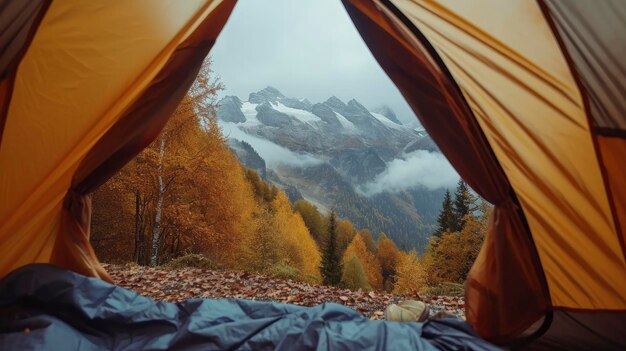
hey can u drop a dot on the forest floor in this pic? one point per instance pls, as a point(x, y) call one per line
point(174, 285)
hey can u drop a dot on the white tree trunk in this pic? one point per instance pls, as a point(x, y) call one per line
point(156, 228)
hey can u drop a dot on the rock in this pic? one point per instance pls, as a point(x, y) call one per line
point(388, 112)
point(266, 95)
point(229, 110)
point(326, 114)
point(272, 118)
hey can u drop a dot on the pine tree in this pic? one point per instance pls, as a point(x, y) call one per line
point(461, 206)
point(331, 268)
point(447, 219)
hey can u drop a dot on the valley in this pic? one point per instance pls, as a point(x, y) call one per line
point(337, 156)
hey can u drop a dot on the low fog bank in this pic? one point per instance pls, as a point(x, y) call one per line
point(272, 153)
point(420, 168)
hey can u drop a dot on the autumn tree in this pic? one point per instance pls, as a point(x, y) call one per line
point(354, 276)
point(331, 268)
point(190, 193)
point(345, 233)
point(454, 254)
point(265, 248)
point(209, 201)
point(370, 264)
point(300, 250)
point(366, 235)
point(410, 275)
point(315, 222)
point(388, 255)
point(184, 128)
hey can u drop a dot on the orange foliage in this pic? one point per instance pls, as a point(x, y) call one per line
point(388, 255)
point(449, 258)
point(368, 240)
point(410, 274)
point(314, 221)
point(345, 233)
point(185, 192)
point(368, 261)
point(300, 249)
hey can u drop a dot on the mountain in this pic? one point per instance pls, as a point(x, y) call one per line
point(388, 113)
point(347, 146)
point(322, 128)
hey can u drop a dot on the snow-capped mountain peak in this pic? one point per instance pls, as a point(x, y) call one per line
point(295, 122)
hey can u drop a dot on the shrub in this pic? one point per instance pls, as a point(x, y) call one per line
point(284, 271)
point(354, 276)
point(191, 261)
point(447, 289)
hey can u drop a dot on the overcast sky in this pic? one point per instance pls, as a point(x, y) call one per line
point(304, 48)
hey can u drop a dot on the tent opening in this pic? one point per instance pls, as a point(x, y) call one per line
point(247, 173)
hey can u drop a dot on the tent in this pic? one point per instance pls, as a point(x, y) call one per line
point(527, 99)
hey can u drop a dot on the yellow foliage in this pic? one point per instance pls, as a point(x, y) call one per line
point(353, 276)
point(300, 250)
point(449, 258)
point(369, 262)
point(264, 249)
point(315, 222)
point(185, 193)
point(345, 233)
point(368, 240)
point(388, 255)
point(410, 275)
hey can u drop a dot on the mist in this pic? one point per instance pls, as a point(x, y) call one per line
point(273, 154)
point(420, 168)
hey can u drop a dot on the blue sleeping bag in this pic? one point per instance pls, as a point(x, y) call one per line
point(43, 307)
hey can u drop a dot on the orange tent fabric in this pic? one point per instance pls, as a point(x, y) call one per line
point(538, 86)
point(95, 86)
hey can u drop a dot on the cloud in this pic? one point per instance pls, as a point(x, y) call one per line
point(420, 168)
point(272, 153)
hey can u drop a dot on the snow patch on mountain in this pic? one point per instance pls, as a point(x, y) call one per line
point(371, 148)
point(249, 111)
point(349, 126)
point(301, 115)
point(386, 121)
